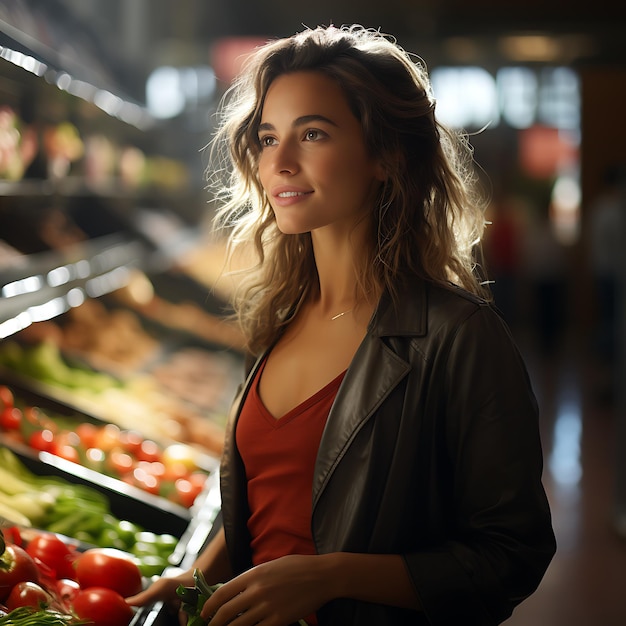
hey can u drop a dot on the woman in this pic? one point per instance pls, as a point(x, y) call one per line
point(382, 463)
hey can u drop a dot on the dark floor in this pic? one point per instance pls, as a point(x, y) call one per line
point(585, 584)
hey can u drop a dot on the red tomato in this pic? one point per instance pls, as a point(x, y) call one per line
point(66, 590)
point(110, 568)
point(119, 462)
point(147, 482)
point(10, 418)
point(42, 440)
point(103, 607)
point(16, 566)
point(64, 445)
point(12, 534)
point(108, 437)
point(55, 553)
point(186, 491)
point(198, 478)
point(28, 593)
point(131, 440)
point(6, 397)
point(87, 432)
point(67, 452)
point(149, 451)
point(154, 468)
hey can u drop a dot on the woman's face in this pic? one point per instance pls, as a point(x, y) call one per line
point(314, 165)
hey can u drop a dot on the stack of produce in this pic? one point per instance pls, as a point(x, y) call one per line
point(136, 402)
point(80, 512)
point(176, 472)
point(43, 581)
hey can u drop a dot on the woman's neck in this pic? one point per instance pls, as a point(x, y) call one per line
point(339, 260)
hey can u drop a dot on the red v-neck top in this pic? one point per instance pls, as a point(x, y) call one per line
point(279, 457)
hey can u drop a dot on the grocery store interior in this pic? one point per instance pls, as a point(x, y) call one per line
point(113, 300)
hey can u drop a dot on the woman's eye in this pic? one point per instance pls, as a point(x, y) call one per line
point(266, 141)
point(312, 135)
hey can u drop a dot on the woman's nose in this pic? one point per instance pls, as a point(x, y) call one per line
point(285, 158)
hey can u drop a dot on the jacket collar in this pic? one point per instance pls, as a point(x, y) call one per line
point(409, 317)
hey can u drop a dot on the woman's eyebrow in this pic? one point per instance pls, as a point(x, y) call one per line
point(300, 121)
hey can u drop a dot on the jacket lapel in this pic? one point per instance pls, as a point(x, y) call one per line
point(374, 372)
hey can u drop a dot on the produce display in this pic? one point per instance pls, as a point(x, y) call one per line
point(46, 581)
point(187, 316)
point(139, 402)
point(96, 156)
point(112, 339)
point(144, 409)
point(18, 144)
point(175, 472)
point(82, 513)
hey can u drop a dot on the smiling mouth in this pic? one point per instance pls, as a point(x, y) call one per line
point(292, 194)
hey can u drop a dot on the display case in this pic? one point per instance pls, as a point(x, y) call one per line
point(92, 212)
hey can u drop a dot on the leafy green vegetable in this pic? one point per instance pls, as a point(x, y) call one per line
point(30, 616)
point(193, 598)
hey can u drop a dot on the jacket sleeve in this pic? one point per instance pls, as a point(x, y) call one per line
point(500, 540)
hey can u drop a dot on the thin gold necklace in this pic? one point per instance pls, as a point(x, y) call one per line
point(334, 317)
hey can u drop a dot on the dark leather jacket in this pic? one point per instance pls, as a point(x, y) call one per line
point(431, 451)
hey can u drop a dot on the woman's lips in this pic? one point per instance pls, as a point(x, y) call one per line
point(288, 196)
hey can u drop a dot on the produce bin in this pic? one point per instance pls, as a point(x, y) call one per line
point(129, 503)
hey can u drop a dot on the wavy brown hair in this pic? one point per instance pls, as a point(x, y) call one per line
point(429, 217)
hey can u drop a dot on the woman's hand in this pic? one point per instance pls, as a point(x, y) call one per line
point(163, 589)
point(277, 593)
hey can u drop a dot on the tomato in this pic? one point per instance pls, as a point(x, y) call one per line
point(130, 441)
point(119, 462)
point(6, 397)
point(198, 479)
point(28, 593)
point(12, 534)
point(42, 440)
point(147, 482)
point(174, 471)
point(154, 468)
point(103, 607)
point(10, 418)
point(55, 553)
point(186, 491)
point(149, 451)
point(108, 437)
point(66, 446)
point(67, 452)
point(87, 433)
point(110, 568)
point(16, 566)
point(66, 590)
